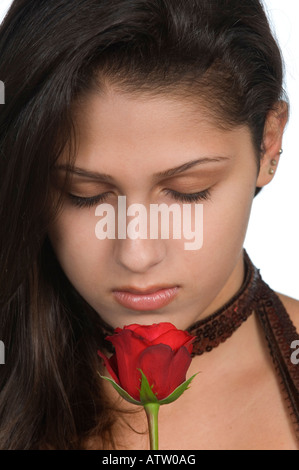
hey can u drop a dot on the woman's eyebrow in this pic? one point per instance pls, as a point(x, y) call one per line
point(188, 165)
point(167, 173)
point(94, 175)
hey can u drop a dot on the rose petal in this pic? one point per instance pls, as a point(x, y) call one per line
point(178, 369)
point(155, 362)
point(128, 348)
point(175, 339)
point(111, 366)
point(151, 332)
point(117, 330)
point(164, 369)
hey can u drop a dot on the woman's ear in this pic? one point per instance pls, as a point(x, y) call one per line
point(272, 143)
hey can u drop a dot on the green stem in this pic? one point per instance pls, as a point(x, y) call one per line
point(152, 410)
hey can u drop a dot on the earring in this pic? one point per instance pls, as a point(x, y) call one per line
point(274, 163)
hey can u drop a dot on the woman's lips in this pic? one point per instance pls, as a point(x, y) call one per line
point(150, 300)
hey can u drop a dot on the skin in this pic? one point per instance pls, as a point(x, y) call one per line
point(131, 139)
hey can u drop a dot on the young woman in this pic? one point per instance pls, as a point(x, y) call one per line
point(163, 102)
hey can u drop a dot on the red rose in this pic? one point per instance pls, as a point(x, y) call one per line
point(161, 351)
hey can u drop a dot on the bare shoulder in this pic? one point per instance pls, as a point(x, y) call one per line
point(292, 307)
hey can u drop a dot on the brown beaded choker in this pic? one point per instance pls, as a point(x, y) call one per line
point(256, 296)
point(216, 328)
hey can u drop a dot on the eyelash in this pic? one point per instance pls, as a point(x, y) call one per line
point(87, 201)
point(193, 197)
point(83, 202)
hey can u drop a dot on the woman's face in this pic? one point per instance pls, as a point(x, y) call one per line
point(152, 150)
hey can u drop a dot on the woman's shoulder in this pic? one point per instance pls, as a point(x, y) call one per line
point(292, 307)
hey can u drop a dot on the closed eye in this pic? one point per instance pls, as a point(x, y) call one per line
point(189, 197)
point(83, 202)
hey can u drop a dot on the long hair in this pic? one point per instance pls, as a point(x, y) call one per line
point(53, 52)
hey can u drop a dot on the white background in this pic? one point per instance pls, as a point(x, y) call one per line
point(273, 234)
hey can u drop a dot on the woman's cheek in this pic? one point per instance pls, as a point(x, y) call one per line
point(226, 217)
point(74, 241)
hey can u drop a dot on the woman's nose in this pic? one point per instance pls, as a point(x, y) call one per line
point(140, 255)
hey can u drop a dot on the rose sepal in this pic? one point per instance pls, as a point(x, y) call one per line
point(121, 391)
point(146, 393)
point(177, 392)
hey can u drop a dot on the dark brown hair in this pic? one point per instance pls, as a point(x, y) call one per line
point(220, 52)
